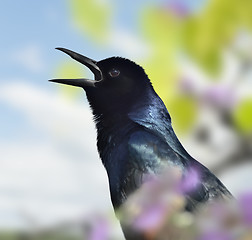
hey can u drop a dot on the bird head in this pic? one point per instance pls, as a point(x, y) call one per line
point(117, 84)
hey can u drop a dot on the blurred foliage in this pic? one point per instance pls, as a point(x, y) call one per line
point(162, 33)
point(10, 236)
point(184, 112)
point(55, 235)
point(206, 33)
point(92, 17)
point(243, 116)
point(70, 69)
point(202, 36)
point(172, 31)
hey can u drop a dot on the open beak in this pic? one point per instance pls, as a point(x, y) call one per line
point(81, 82)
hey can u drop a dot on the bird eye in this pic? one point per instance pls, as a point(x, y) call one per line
point(114, 73)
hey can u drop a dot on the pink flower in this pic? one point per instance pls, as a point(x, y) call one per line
point(99, 230)
point(190, 181)
point(245, 202)
point(179, 8)
point(215, 235)
point(150, 218)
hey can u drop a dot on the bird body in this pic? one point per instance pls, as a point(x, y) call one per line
point(134, 131)
point(143, 142)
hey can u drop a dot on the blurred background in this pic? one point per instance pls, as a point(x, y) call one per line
point(198, 54)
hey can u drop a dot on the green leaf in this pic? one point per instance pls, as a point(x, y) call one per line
point(92, 18)
point(183, 110)
point(69, 70)
point(207, 33)
point(162, 33)
point(243, 116)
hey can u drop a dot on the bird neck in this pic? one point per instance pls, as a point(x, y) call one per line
point(113, 127)
point(111, 131)
point(150, 113)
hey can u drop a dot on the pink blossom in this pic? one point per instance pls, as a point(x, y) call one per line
point(245, 203)
point(150, 218)
point(215, 235)
point(99, 230)
point(190, 181)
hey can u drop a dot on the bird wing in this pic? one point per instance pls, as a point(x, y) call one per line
point(149, 154)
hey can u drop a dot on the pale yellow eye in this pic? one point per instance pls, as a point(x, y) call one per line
point(114, 73)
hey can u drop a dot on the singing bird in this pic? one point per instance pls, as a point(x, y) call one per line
point(134, 131)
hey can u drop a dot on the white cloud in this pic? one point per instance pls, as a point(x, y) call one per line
point(43, 184)
point(62, 118)
point(57, 177)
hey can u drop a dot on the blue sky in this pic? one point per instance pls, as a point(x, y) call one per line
point(42, 174)
point(47, 140)
point(30, 32)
